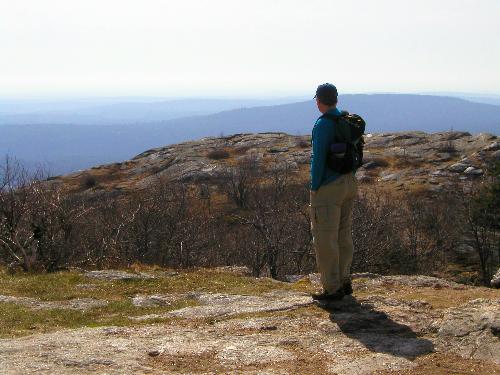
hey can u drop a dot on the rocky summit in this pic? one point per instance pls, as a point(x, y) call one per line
point(175, 323)
point(405, 161)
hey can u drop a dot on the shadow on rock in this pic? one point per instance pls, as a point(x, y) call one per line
point(375, 330)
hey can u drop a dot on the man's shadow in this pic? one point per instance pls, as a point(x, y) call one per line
point(375, 330)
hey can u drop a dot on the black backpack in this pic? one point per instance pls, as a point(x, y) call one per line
point(345, 154)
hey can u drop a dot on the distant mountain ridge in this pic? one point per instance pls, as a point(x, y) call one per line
point(383, 113)
point(121, 111)
point(64, 147)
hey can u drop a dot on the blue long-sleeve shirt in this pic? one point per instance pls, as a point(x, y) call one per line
point(323, 134)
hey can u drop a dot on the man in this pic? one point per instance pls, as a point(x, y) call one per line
point(332, 197)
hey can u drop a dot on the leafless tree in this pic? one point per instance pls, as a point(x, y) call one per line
point(36, 219)
point(238, 181)
point(374, 234)
point(482, 217)
point(277, 213)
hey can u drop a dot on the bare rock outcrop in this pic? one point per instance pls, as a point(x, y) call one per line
point(216, 304)
point(279, 332)
point(391, 158)
point(472, 330)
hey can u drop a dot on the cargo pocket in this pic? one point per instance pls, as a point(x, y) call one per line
point(320, 214)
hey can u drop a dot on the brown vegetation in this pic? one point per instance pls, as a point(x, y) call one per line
point(260, 220)
point(218, 154)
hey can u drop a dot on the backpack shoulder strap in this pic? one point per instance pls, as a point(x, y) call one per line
point(333, 117)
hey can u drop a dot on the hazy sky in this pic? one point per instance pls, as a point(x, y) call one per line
point(257, 47)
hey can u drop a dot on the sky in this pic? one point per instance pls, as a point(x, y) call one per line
point(247, 48)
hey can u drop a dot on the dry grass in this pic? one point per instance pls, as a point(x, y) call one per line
point(437, 298)
point(442, 298)
point(403, 162)
point(105, 177)
point(187, 363)
point(445, 364)
point(66, 285)
point(242, 150)
point(16, 320)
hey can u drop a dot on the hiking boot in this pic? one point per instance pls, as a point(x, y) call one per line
point(347, 287)
point(325, 296)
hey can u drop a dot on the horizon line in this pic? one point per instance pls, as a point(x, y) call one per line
point(83, 96)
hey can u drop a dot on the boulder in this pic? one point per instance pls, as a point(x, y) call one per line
point(362, 176)
point(458, 167)
point(443, 156)
point(370, 165)
point(300, 157)
point(293, 278)
point(440, 173)
point(390, 177)
point(486, 136)
point(473, 171)
point(471, 330)
point(492, 147)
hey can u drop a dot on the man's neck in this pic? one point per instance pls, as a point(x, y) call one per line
point(330, 108)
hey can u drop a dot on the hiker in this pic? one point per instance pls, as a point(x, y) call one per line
point(333, 190)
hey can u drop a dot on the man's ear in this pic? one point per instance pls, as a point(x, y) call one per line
point(319, 105)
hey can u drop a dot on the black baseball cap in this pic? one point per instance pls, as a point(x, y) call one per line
point(327, 94)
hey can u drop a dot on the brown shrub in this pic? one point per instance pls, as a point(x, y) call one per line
point(448, 147)
point(218, 154)
point(406, 161)
point(302, 143)
point(89, 181)
point(241, 150)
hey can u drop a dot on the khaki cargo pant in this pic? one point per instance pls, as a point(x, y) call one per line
point(331, 221)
